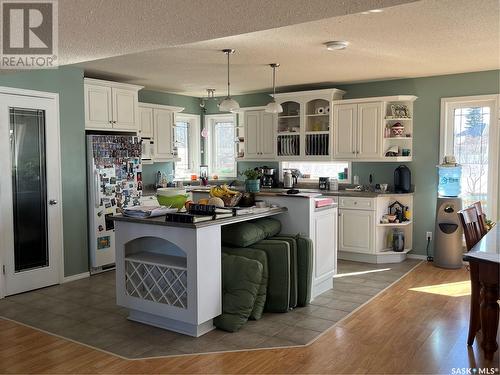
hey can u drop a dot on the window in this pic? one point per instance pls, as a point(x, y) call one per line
point(469, 130)
point(221, 145)
point(187, 142)
point(320, 169)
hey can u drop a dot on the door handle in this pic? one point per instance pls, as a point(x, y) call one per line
point(53, 202)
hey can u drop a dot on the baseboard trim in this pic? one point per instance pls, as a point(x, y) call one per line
point(416, 256)
point(78, 276)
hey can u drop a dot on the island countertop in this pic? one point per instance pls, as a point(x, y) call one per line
point(282, 192)
point(160, 220)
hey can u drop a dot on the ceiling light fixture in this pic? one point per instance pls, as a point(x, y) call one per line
point(372, 11)
point(273, 107)
point(336, 45)
point(228, 104)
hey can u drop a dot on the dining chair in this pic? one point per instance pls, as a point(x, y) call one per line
point(470, 223)
point(481, 216)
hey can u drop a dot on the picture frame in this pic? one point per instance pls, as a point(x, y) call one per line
point(400, 111)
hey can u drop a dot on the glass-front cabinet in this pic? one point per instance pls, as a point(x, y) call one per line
point(303, 129)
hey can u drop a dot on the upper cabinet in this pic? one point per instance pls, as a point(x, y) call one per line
point(157, 123)
point(145, 121)
point(111, 106)
point(303, 129)
point(357, 131)
point(259, 134)
point(373, 129)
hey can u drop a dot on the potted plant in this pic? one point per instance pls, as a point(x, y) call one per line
point(252, 182)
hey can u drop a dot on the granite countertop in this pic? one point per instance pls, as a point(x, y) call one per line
point(160, 220)
point(280, 191)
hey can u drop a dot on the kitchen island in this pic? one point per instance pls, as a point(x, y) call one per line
point(169, 274)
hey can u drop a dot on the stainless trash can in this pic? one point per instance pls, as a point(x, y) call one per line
point(448, 244)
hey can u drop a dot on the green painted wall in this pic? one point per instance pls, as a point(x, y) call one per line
point(190, 104)
point(68, 83)
point(250, 100)
point(429, 90)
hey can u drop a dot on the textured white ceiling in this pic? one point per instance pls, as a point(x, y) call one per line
point(424, 38)
point(96, 29)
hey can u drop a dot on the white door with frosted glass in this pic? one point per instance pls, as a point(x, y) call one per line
point(470, 131)
point(30, 193)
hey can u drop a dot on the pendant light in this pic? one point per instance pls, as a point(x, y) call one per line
point(274, 107)
point(228, 104)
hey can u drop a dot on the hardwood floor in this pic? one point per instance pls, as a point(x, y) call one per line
point(419, 325)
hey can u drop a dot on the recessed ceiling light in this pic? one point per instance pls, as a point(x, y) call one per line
point(336, 45)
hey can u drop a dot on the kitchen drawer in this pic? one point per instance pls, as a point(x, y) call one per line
point(357, 203)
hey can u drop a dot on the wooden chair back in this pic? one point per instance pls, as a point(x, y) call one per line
point(481, 216)
point(470, 223)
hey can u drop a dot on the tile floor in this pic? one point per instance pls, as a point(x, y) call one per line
point(85, 311)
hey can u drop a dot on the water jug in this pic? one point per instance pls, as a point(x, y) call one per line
point(449, 180)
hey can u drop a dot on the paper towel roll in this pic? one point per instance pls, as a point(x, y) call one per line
point(320, 110)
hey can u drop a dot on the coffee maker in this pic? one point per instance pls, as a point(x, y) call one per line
point(268, 179)
point(402, 179)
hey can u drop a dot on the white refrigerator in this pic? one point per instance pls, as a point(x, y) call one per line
point(114, 175)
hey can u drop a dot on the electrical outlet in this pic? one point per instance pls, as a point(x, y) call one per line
point(428, 235)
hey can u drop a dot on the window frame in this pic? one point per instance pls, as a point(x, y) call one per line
point(446, 143)
point(194, 143)
point(210, 121)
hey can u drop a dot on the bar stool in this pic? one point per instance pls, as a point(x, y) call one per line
point(470, 223)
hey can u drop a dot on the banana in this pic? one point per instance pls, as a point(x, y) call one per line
point(228, 191)
point(222, 191)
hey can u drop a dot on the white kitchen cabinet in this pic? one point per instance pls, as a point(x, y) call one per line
point(259, 135)
point(356, 230)
point(111, 105)
point(357, 131)
point(98, 113)
point(303, 129)
point(359, 128)
point(125, 109)
point(145, 122)
point(345, 119)
point(325, 244)
point(369, 131)
point(163, 134)
point(157, 129)
point(267, 135)
point(363, 237)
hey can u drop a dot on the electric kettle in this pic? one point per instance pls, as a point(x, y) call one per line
point(287, 180)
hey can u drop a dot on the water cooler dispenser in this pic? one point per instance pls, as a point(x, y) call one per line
point(448, 248)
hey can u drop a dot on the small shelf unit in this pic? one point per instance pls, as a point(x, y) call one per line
point(306, 123)
point(404, 143)
point(383, 237)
